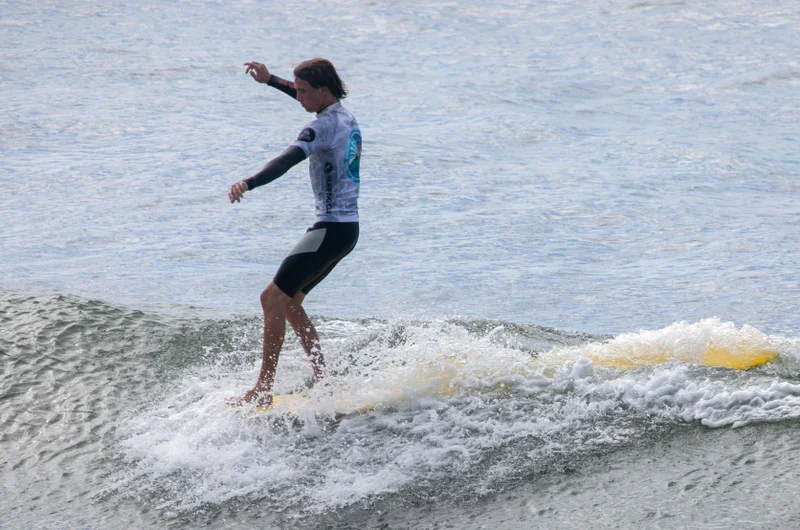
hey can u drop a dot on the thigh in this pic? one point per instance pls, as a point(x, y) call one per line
point(314, 256)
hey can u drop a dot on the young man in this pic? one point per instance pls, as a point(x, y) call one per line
point(332, 142)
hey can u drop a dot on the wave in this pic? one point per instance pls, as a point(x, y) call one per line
point(434, 410)
point(475, 405)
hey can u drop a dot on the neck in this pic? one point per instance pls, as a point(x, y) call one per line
point(327, 103)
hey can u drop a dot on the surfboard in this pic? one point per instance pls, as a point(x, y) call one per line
point(295, 402)
point(444, 376)
point(288, 403)
point(741, 358)
point(301, 403)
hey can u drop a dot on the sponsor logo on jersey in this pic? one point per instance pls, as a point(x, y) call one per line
point(307, 135)
point(328, 187)
point(353, 155)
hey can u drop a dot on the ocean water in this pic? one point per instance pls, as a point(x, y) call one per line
point(578, 231)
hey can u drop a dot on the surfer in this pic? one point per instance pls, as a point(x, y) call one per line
point(332, 143)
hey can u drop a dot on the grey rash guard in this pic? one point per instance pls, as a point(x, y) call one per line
point(332, 143)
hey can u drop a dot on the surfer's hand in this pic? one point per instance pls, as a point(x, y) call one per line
point(237, 190)
point(258, 71)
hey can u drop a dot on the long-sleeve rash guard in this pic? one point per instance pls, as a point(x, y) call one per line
point(286, 160)
point(287, 87)
point(276, 167)
point(332, 142)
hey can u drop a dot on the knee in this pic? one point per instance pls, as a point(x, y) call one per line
point(272, 297)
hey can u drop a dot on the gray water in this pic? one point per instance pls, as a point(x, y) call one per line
point(547, 188)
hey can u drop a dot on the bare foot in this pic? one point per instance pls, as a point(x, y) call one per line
point(254, 397)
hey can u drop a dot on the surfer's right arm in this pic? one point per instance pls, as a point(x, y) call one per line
point(274, 169)
point(260, 73)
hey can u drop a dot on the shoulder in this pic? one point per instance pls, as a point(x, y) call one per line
point(349, 122)
point(309, 133)
point(315, 135)
point(343, 123)
point(345, 113)
point(323, 124)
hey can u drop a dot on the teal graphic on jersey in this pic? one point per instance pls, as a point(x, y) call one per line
point(353, 154)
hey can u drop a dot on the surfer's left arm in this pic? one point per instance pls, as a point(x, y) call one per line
point(260, 73)
point(287, 87)
point(274, 169)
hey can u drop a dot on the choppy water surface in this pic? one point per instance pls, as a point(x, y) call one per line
point(113, 416)
point(565, 208)
point(596, 168)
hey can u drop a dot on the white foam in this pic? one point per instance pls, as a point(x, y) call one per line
point(446, 400)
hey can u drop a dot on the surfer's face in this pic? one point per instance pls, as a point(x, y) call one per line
point(312, 99)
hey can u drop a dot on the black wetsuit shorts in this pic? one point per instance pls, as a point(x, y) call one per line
point(315, 255)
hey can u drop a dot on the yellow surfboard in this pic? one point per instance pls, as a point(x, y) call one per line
point(288, 403)
point(709, 343)
point(301, 403)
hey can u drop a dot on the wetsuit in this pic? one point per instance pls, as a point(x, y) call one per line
point(332, 143)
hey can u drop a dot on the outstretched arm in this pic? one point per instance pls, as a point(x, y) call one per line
point(287, 87)
point(260, 73)
point(274, 169)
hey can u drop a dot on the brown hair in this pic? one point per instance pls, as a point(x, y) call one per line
point(320, 72)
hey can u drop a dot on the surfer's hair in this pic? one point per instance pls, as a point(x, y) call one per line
point(320, 72)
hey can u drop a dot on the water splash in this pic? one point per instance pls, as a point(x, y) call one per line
point(411, 404)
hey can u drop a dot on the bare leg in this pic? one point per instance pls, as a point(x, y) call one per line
point(274, 302)
point(307, 334)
